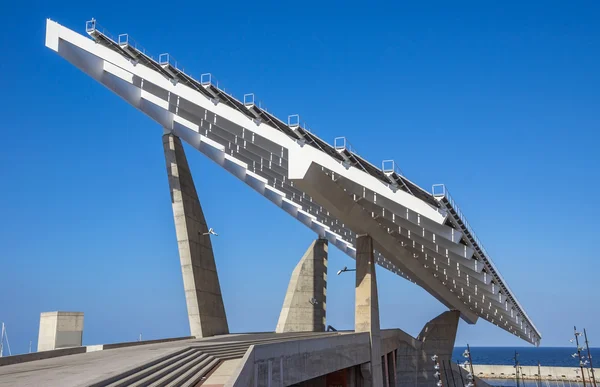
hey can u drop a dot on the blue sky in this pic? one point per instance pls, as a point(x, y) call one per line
point(497, 101)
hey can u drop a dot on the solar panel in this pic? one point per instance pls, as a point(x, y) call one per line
point(428, 226)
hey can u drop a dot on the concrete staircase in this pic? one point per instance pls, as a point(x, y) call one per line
point(189, 366)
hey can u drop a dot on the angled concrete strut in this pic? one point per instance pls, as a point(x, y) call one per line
point(439, 334)
point(304, 306)
point(206, 311)
point(415, 366)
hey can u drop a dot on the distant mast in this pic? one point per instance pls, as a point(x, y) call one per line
point(2, 341)
point(4, 336)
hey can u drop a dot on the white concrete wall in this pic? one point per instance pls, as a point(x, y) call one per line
point(60, 330)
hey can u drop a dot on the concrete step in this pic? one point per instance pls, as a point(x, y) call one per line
point(150, 369)
point(247, 343)
point(195, 360)
point(229, 355)
point(114, 381)
point(154, 374)
point(217, 351)
point(273, 337)
point(237, 350)
point(194, 374)
point(170, 378)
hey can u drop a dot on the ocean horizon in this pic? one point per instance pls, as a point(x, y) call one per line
point(528, 356)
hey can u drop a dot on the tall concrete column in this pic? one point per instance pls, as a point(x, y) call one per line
point(206, 311)
point(366, 315)
point(304, 306)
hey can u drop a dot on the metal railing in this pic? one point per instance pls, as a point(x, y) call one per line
point(390, 166)
point(207, 79)
point(93, 26)
point(293, 121)
point(440, 191)
point(124, 40)
point(167, 59)
point(249, 99)
point(340, 144)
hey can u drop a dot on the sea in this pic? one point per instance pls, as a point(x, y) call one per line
point(528, 356)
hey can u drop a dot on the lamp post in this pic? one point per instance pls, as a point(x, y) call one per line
point(2, 340)
point(460, 372)
point(345, 269)
point(469, 361)
point(522, 374)
point(517, 367)
point(436, 368)
point(587, 344)
point(578, 354)
point(210, 232)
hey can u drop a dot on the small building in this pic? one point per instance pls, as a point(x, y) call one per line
point(60, 330)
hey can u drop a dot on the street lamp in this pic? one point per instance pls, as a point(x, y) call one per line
point(469, 362)
point(345, 269)
point(593, 377)
point(516, 366)
point(578, 354)
point(436, 368)
point(210, 232)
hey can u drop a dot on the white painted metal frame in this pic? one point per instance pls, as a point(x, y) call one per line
point(271, 161)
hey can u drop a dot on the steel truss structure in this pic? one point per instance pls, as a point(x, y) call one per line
point(418, 235)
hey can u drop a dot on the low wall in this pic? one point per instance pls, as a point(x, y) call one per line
point(529, 372)
point(9, 360)
point(134, 343)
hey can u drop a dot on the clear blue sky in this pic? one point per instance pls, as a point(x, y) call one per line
point(500, 102)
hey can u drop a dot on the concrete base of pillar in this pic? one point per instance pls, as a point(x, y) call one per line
point(414, 364)
point(304, 306)
point(438, 335)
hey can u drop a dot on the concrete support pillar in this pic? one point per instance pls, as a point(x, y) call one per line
point(304, 306)
point(391, 368)
point(366, 315)
point(407, 364)
point(414, 364)
point(438, 335)
point(60, 330)
point(206, 311)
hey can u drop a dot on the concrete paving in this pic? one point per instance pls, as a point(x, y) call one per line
point(94, 367)
point(82, 369)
